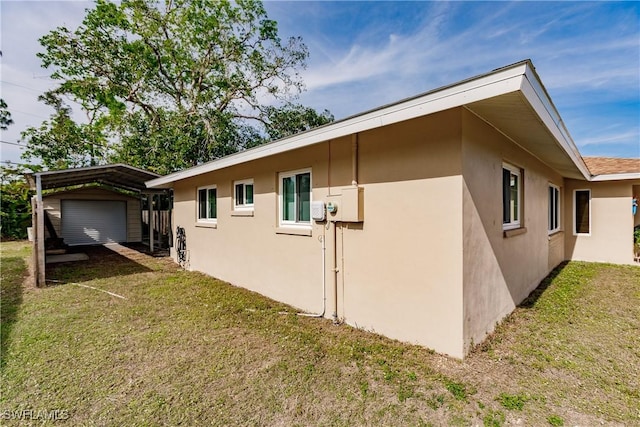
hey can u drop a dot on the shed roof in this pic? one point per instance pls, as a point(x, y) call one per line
point(116, 175)
point(512, 99)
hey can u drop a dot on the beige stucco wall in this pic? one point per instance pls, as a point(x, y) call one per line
point(611, 238)
point(400, 271)
point(52, 205)
point(499, 271)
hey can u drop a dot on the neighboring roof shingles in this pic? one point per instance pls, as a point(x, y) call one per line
point(611, 165)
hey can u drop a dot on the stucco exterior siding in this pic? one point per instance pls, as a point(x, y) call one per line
point(500, 271)
point(399, 271)
point(52, 205)
point(250, 251)
point(402, 272)
point(612, 222)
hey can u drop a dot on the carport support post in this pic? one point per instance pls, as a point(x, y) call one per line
point(150, 203)
point(40, 250)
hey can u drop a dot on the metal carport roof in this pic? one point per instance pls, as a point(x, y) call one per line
point(115, 175)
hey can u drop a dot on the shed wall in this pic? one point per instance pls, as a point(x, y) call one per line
point(52, 205)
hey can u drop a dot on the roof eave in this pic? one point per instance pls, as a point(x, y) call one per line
point(520, 77)
point(495, 83)
point(542, 103)
point(615, 177)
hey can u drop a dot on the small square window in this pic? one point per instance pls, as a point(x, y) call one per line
point(207, 204)
point(243, 195)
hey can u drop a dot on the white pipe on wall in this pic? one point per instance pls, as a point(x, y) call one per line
point(354, 159)
point(324, 281)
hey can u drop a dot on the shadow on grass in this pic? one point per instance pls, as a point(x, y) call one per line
point(530, 301)
point(102, 263)
point(13, 272)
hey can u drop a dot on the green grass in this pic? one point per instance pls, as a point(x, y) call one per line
point(512, 401)
point(184, 348)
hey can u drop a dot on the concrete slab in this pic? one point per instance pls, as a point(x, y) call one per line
point(51, 259)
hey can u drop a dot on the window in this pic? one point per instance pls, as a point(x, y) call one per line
point(582, 212)
point(243, 198)
point(295, 198)
point(511, 196)
point(554, 208)
point(207, 204)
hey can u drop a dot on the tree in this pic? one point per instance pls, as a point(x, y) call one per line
point(292, 119)
point(15, 215)
point(176, 83)
point(61, 143)
point(5, 115)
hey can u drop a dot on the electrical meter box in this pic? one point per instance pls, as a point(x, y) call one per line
point(318, 210)
point(352, 204)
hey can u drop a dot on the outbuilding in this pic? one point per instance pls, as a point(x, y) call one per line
point(91, 205)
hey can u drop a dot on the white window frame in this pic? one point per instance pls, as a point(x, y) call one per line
point(243, 206)
point(512, 224)
point(296, 223)
point(575, 224)
point(208, 219)
point(555, 209)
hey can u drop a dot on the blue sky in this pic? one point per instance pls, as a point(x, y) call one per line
point(367, 54)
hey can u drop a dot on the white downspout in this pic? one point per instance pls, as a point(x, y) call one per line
point(334, 271)
point(354, 159)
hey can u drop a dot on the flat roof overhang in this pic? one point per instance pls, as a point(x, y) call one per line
point(115, 175)
point(510, 99)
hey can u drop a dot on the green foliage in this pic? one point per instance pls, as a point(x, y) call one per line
point(60, 143)
point(493, 419)
point(457, 389)
point(555, 420)
point(435, 401)
point(173, 84)
point(512, 401)
point(15, 202)
point(291, 119)
point(5, 115)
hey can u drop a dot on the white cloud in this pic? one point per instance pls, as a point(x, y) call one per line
point(629, 137)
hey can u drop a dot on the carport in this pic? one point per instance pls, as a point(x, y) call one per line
point(102, 218)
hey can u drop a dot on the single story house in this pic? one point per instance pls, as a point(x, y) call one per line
point(427, 220)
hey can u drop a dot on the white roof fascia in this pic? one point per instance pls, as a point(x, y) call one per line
point(616, 176)
point(97, 167)
point(537, 96)
point(497, 83)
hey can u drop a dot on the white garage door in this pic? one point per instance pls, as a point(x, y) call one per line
point(89, 222)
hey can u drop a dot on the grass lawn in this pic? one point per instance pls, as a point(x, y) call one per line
point(184, 348)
